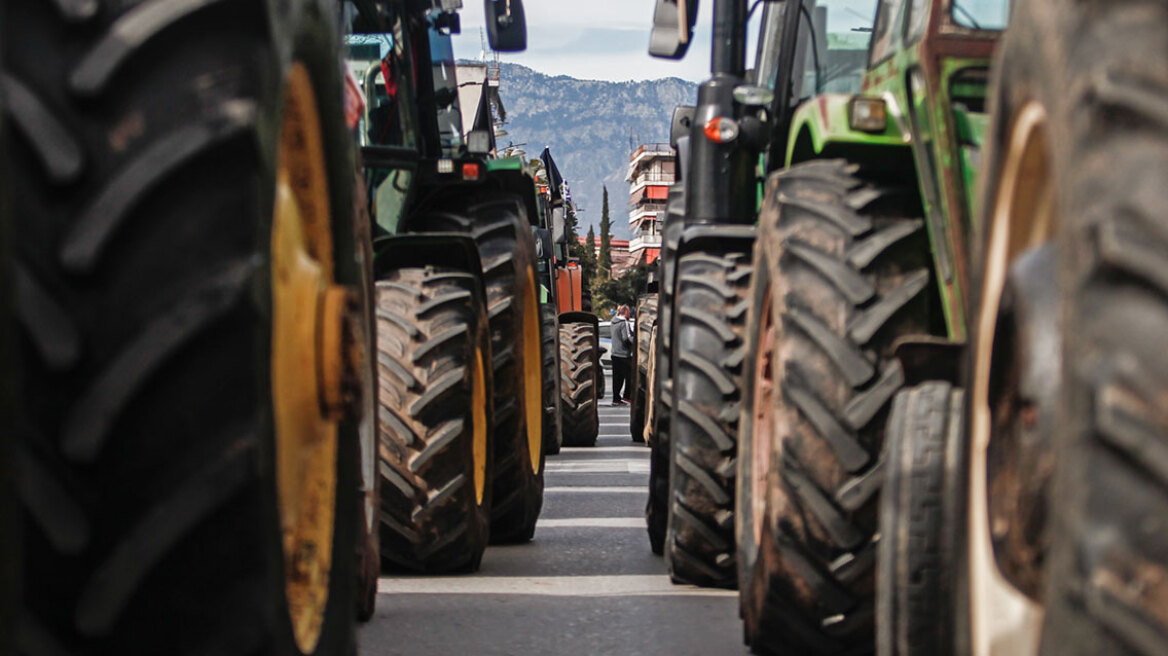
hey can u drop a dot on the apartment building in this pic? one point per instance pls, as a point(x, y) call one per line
point(652, 168)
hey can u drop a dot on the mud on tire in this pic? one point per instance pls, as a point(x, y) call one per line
point(1085, 65)
point(435, 506)
point(711, 322)
point(846, 274)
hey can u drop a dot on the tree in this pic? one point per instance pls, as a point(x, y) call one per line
point(588, 258)
point(608, 294)
point(605, 263)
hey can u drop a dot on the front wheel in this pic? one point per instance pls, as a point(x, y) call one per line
point(840, 275)
point(711, 320)
point(920, 523)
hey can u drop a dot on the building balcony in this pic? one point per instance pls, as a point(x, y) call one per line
point(651, 150)
point(655, 180)
point(641, 242)
point(646, 210)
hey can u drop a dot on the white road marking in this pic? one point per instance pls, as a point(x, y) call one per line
point(599, 489)
point(606, 449)
point(592, 522)
point(626, 585)
point(617, 466)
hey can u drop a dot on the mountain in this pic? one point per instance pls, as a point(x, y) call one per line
point(592, 127)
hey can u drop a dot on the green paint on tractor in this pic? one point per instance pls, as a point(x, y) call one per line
point(932, 74)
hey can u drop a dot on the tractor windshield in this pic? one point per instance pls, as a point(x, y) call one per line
point(833, 42)
point(982, 14)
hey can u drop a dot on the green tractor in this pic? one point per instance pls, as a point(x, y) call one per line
point(860, 289)
point(186, 287)
point(865, 119)
point(463, 405)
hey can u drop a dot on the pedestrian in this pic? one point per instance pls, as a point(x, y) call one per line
point(622, 350)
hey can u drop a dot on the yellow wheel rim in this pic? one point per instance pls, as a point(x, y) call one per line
point(1022, 217)
point(532, 373)
point(304, 316)
point(479, 417)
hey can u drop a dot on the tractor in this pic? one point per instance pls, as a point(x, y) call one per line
point(848, 285)
point(186, 347)
point(463, 403)
point(581, 380)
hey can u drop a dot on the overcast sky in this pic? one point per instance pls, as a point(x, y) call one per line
point(591, 40)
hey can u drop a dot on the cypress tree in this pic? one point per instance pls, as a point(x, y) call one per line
point(605, 264)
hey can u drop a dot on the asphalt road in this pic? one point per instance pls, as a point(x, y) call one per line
point(587, 583)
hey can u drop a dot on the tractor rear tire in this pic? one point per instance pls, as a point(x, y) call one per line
point(553, 436)
point(711, 326)
point(1084, 67)
point(843, 267)
point(920, 522)
point(433, 420)
point(498, 223)
point(579, 396)
point(146, 148)
point(646, 322)
point(9, 384)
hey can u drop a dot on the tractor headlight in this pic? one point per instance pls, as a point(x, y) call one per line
point(868, 114)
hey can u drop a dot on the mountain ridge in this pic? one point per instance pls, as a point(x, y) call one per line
point(591, 126)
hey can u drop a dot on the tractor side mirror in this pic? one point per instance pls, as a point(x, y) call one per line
point(673, 24)
point(682, 122)
point(543, 244)
point(506, 25)
point(559, 233)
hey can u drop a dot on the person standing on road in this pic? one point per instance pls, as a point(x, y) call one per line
point(622, 345)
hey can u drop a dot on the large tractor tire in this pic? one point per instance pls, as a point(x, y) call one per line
point(579, 394)
point(646, 324)
point(920, 521)
point(184, 248)
point(553, 436)
point(711, 327)
point(1077, 159)
point(657, 508)
point(841, 272)
point(434, 419)
point(498, 223)
point(9, 384)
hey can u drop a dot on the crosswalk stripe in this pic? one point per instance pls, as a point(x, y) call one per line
point(615, 466)
point(592, 522)
point(596, 489)
point(621, 585)
point(604, 449)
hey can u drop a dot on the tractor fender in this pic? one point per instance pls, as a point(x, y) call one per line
point(926, 358)
point(822, 123)
point(580, 317)
point(449, 249)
